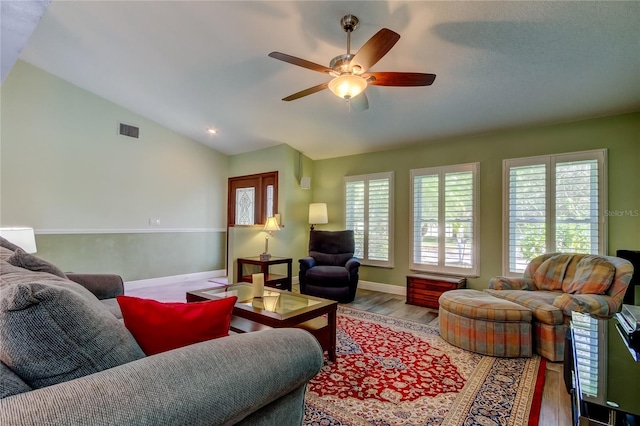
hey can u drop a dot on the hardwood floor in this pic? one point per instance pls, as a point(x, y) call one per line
point(556, 404)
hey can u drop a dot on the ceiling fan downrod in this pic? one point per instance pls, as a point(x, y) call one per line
point(340, 63)
point(349, 24)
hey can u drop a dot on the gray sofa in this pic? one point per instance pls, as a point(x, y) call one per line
point(249, 379)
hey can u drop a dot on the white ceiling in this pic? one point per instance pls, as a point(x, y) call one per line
point(190, 65)
point(18, 19)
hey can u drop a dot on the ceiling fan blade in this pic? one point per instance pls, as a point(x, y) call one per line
point(360, 102)
point(374, 49)
point(306, 92)
point(400, 78)
point(300, 62)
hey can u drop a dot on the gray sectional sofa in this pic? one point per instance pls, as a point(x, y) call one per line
point(67, 360)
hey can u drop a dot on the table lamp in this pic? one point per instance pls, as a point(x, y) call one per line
point(270, 226)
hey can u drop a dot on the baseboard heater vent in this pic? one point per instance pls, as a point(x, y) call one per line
point(129, 130)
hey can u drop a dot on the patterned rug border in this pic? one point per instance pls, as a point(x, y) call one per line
point(468, 403)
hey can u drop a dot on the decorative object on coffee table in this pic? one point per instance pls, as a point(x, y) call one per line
point(258, 284)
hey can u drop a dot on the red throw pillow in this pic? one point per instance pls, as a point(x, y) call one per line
point(160, 327)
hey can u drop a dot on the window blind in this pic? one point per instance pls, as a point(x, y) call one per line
point(354, 210)
point(444, 235)
point(368, 212)
point(527, 214)
point(378, 241)
point(554, 203)
point(426, 228)
point(458, 217)
point(577, 207)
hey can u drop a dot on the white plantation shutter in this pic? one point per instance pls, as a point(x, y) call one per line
point(458, 216)
point(527, 213)
point(577, 206)
point(379, 214)
point(368, 212)
point(444, 216)
point(553, 203)
point(426, 228)
point(355, 214)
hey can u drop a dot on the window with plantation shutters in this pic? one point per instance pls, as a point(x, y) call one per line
point(553, 203)
point(444, 231)
point(368, 212)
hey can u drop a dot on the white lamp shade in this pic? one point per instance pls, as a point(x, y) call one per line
point(271, 224)
point(25, 238)
point(318, 213)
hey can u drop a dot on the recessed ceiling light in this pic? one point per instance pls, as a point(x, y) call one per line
point(212, 131)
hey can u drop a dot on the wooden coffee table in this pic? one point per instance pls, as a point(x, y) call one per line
point(277, 309)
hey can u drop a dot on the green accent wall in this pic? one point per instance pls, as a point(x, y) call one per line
point(65, 171)
point(135, 256)
point(619, 134)
point(293, 205)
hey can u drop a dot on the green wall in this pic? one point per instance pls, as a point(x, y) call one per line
point(135, 256)
point(293, 206)
point(90, 193)
point(619, 134)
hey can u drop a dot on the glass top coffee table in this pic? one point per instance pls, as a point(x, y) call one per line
point(277, 309)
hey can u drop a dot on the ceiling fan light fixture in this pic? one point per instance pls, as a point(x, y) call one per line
point(347, 86)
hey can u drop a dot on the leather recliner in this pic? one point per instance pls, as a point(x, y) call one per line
point(331, 270)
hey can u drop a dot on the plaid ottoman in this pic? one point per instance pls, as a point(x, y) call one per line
point(478, 322)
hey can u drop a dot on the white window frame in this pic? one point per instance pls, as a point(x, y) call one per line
point(550, 161)
point(474, 271)
point(364, 260)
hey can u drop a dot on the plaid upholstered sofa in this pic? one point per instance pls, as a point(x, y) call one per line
point(555, 284)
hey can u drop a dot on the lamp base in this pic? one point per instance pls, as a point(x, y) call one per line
point(265, 256)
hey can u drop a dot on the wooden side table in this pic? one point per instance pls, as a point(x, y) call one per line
point(425, 290)
point(271, 280)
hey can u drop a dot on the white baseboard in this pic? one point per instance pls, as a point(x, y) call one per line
point(152, 282)
point(383, 288)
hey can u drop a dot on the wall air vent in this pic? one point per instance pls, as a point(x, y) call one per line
point(129, 130)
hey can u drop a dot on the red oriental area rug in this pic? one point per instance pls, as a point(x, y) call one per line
point(392, 372)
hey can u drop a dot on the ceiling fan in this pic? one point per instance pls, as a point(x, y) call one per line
point(349, 71)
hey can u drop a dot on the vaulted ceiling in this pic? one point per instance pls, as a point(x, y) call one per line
point(194, 65)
